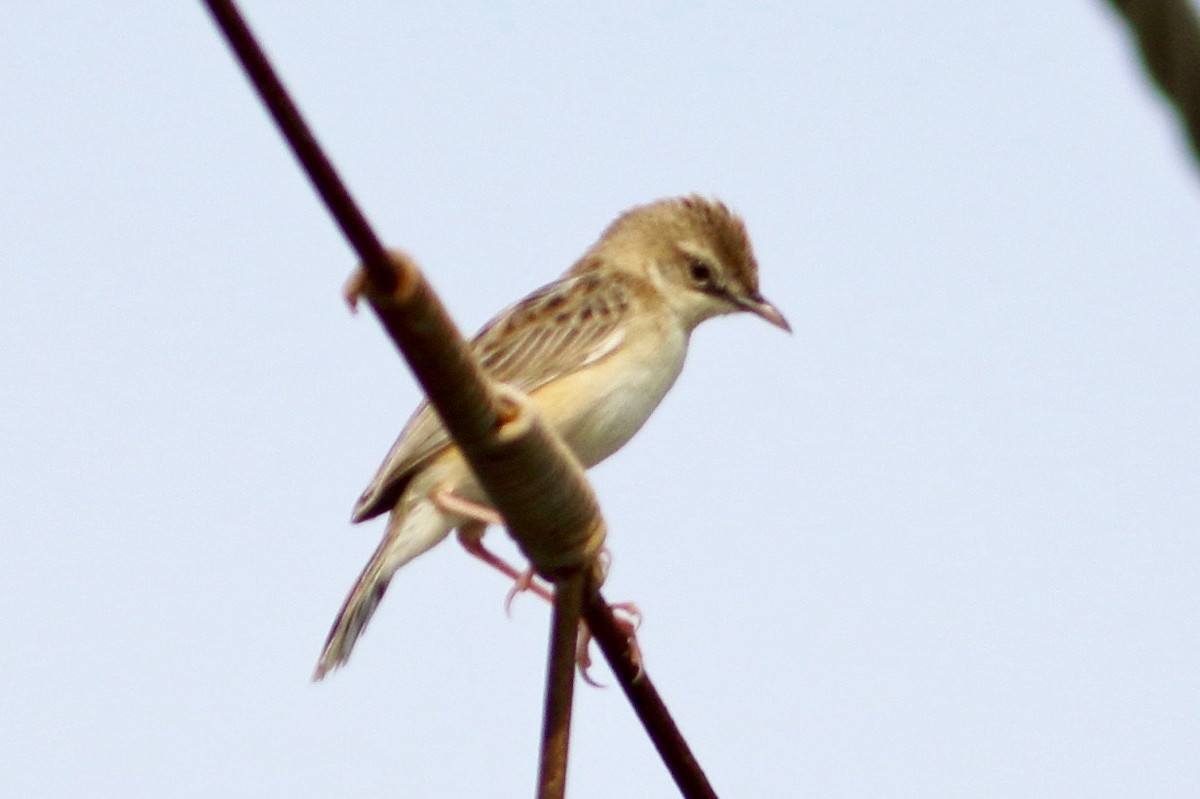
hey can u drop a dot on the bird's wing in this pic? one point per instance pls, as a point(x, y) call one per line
point(558, 329)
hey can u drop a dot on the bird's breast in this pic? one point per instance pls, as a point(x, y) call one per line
point(599, 408)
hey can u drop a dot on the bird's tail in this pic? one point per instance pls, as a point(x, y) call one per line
point(409, 534)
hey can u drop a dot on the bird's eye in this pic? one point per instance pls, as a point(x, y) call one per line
point(700, 271)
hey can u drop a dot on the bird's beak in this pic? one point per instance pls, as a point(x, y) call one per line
point(757, 305)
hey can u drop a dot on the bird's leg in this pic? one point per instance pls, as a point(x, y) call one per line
point(446, 500)
point(628, 618)
point(470, 535)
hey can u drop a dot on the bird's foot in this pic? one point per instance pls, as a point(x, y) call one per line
point(629, 619)
point(470, 535)
point(354, 288)
point(526, 581)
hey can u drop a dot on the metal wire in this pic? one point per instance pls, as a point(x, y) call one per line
point(1168, 35)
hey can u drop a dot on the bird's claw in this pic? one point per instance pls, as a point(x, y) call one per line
point(354, 288)
point(523, 582)
point(628, 619)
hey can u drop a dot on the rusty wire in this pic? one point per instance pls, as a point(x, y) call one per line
point(560, 685)
point(651, 710)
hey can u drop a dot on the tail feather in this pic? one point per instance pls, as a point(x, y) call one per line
point(409, 534)
point(356, 611)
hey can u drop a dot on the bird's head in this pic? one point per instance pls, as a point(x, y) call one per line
point(695, 250)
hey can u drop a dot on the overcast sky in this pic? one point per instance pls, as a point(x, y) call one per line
point(942, 541)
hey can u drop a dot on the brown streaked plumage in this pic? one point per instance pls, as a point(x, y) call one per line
point(596, 351)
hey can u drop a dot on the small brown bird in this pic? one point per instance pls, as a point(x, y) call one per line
point(596, 351)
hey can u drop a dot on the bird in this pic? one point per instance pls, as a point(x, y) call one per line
point(595, 351)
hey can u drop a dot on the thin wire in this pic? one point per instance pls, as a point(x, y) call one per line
point(1168, 35)
point(304, 144)
point(560, 685)
point(651, 710)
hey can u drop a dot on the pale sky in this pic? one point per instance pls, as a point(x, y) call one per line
point(942, 541)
